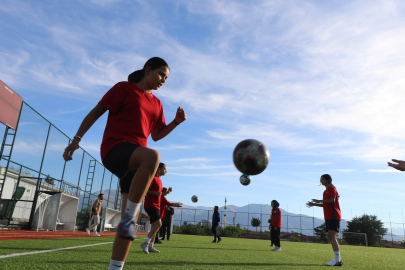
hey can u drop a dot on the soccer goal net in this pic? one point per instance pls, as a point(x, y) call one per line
point(355, 239)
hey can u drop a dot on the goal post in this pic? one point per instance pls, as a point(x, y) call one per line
point(354, 238)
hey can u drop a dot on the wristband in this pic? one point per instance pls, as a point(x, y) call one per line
point(76, 136)
point(175, 122)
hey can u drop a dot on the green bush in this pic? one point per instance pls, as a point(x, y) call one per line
point(294, 239)
point(231, 231)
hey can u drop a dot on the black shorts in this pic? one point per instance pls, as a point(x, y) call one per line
point(332, 225)
point(153, 213)
point(117, 161)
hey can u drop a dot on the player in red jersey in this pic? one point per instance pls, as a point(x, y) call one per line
point(275, 225)
point(165, 206)
point(152, 205)
point(331, 211)
point(134, 114)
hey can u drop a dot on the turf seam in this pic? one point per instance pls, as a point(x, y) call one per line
point(50, 250)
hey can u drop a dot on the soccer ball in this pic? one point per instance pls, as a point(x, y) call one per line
point(251, 157)
point(245, 179)
point(194, 198)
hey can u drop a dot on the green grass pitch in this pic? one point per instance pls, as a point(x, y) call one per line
point(195, 252)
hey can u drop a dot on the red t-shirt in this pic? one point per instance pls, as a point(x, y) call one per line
point(275, 218)
point(331, 210)
point(153, 200)
point(133, 114)
point(163, 203)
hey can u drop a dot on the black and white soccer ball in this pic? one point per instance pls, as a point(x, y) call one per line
point(251, 157)
point(245, 179)
point(194, 198)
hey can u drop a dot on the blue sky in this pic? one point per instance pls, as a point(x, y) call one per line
point(320, 83)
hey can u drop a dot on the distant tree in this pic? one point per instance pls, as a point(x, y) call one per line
point(231, 231)
point(368, 224)
point(320, 232)
point(255, 222)
point(49, 180)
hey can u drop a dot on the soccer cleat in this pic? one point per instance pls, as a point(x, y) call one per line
point(144, 247)
point(335, 263)
point(220, 239)
point(96, 234)
point(214, 241)
point(153, 250)
point(126, 228)
point(158, 241)
point(276, 249)
point(88, 231)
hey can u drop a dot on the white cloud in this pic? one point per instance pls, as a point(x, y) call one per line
point(384, 170)
point(344, 170)
point(206, 174)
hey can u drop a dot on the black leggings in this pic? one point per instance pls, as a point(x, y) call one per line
point(166, 228)
point(275, 236)
point(214, 230)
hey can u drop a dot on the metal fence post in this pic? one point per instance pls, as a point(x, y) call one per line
point(43, 155)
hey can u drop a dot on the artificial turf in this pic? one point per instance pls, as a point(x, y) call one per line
point(195, 252)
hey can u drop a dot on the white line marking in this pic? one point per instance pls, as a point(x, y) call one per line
point(50, 250)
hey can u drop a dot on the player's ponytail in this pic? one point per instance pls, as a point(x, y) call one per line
point(275, 204)
point(328, 178)
point(153, 63)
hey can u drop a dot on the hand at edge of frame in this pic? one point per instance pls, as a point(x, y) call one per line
point(400, 166)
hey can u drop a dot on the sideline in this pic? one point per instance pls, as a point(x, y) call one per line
point(50, 250)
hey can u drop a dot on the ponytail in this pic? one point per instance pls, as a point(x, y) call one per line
point(153, 63)
point(328, 178)
point(275, 204)
point(136, 76)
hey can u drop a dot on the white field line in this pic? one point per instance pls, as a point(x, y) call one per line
point(49, 250)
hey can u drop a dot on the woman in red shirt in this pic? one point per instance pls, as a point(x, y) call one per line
point(275, 225)
point(134, 114)
point(331, 211)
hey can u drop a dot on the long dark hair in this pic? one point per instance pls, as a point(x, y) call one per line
point(328, 178)
point(153, 63)
point(275, 204)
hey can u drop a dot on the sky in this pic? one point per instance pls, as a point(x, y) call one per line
point(320, 83)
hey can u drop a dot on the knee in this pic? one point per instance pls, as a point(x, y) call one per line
point(153, 157)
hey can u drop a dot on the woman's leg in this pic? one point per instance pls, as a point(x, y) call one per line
point(333, 240)
point(277, 243)
point(145, 161)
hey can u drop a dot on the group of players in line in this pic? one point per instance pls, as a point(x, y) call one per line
point(134, 113)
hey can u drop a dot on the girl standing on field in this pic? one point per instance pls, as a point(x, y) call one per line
point(134, 114)
point(331, 210)
point(275, 225)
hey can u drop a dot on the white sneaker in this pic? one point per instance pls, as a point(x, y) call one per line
point(88, 231)
point(154, 250)
point(276, 249)
point(335, 263)
point(96, 234)
point(144, 247)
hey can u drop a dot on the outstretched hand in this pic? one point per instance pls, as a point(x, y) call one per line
point(179, 204)
point(180, 116)
point(73, 146)
point(400, 166)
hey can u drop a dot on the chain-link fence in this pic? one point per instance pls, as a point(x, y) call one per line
point(295, 227)
point(35, 149)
